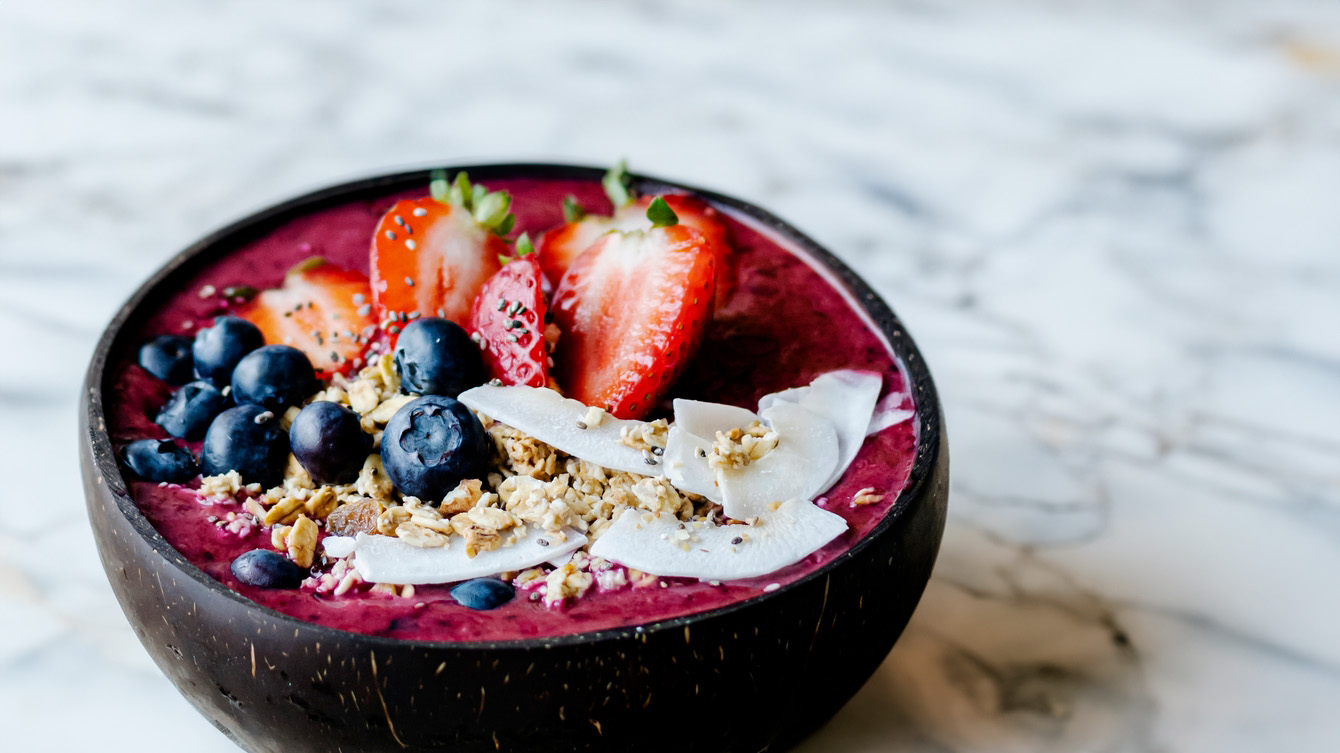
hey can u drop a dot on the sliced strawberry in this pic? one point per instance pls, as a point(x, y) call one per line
point(508, 323)
point(561, 245)
point(633, 309)
point(431, 256)
point(322, 310)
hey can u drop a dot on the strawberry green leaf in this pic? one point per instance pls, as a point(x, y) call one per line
point(506, 225)
point(490, 209)
point(438, 185)
point(572, 211)
point(460, 193)
point(523, 245)
point(239, 292)
point(660, 214)
point(307, 265)
point(616, 183)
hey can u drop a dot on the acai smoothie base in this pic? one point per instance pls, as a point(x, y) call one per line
point(783, 326)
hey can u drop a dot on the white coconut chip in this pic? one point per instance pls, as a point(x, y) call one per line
point(553, 419)
point(386, 559)
point(685, 469)
point(706, 419)
point(847, 399)
point(338, 546)
point(797, 468)
point(661, 545)
point(887, 413)
point(690, 442)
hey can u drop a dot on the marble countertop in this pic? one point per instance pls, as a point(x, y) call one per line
point(1112, 227)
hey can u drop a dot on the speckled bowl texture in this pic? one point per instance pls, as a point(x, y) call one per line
point(757, 675)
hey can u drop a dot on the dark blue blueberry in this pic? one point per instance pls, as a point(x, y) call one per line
point(329, 441)
point(431, 444)
point(483, 593)
point(273, 376)
point(247, 439)
point(168, 357)
point(159, 460)
point(217, 349)
point(436, 357)
point(264, 568)
point(190, 409)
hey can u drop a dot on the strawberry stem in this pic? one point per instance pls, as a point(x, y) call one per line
point(460, 193)
point(490, 209)
point(437, 185)
point(660, 214)
point(307, 265)
point(617, 184)
point(523, 246)
point(572, 211)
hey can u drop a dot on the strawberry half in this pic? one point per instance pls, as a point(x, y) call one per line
point(561, 245)
point(633, 309)
point(322, 310)
point(508, 322)
point(431, 256)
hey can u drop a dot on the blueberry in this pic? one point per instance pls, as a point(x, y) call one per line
point(483, 593)
point(431, 444)
point(436, 357)
point(273, 376)
point(329, 442)
point(217, 349)
point(267, 569)
point(168, 357)
point(159, 460)
point(247, 439)
point(190, 409)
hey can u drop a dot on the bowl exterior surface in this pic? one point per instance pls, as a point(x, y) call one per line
point(758, 675)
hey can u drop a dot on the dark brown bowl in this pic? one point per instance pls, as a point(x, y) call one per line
point(756, 675)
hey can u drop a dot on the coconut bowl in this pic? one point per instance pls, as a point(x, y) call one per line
point(756, 675)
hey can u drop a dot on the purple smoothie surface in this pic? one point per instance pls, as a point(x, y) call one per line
point(785, 325)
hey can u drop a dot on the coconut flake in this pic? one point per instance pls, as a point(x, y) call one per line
point(338, 546)
point(847, 399)
point(553, 419)
point(808, 457)
point(686, 465)
point(797, 468)
point(386, 559)
point(653, 544)
point(705, 419)
point(888, 413)
point(690, 442)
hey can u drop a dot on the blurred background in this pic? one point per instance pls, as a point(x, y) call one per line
point(1113, 228)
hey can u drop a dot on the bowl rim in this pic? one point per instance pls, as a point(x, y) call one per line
point(928, 412)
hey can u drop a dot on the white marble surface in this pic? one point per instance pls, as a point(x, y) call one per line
point(1113, 227)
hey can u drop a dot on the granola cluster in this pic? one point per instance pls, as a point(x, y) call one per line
point(739, 447)
point(531, 485)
